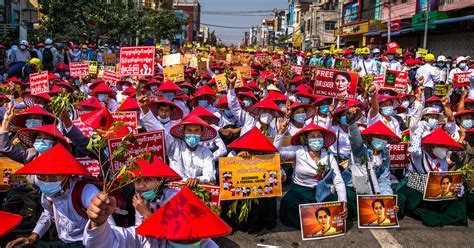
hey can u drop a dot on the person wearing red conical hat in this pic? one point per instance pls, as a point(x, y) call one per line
point(248, 99)
point(9, 222)
point(164, 111)
point(88, 105)
point(151, 85)
point(465, 119)
point(64, 85)
point(123, 85)
point(40, 99)
point(205, 97)
point(295, 82)
point(299, 115)
point(106, 96)
point(324, 107)
point(383, 109)
point(98, 119)
point(305, 96)
point(430, 153)
point(169, 90)
point(129, 104)
point(53, 77)
point(279, 99)
point(194, 227)
point(33, 117)
point(391, 63)
point(55, 174)
point(187, 88)
point(313, 166)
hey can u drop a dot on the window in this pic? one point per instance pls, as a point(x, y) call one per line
point(329, 25)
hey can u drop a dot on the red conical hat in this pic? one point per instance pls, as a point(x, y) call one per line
point(129, 92)
point(208, 132)
point(300, 88)
point(328, 135)
point(120, 83)
point(296, 79)
point(102, 88)
point(393, 99)
point(9, 222)
point(98, 119)
point(350, 103)
point(129, 104)
point(62, 66)
point(248, 94)
point(90, 102)
point(205, 115)
point(19, 120)
point(156, 169)
point(253, 140)
point(28, 135)
point(176, 112)
point(96, 83)
point(204, 91)
point(15, 80)
point(223, 103)
point(182, 97)
point(184, 217)
point(29, 100)
point(52, 76)
point(55, 90)
point(379, 128)
point(253, 85)
point(440, 138)
point(266, 103)
point(307, 93)
point(388, 92)
point(56, 161)
point(277, 96)
point(168, 85)
point(410, 97)
point(433, 99)
point(459, 114)
point(391, 51)
point(309, 109)
point(63, 84)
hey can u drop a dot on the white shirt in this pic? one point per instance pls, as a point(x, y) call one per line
point(392, 123)
point(370, 66)
point(322, 121)
point(390, 65)
point(430, 75)
point(344, 142)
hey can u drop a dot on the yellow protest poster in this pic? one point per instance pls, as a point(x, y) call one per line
point(228, 58)
point(421, 52)
point(7, 170)
point(174, 73)
point(239, 83)
point(221, 82)
point(244, 70)
point(93, 66)
point(257, 177)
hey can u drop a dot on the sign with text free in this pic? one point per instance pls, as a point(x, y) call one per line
point(137, 61)
point(39, 83)
point(336, 83)
point(398, 157)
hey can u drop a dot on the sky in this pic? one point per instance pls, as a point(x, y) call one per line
point(237, 19)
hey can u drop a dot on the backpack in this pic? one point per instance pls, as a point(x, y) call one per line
point(48, 56)
point(121, 215)
point(26, 203)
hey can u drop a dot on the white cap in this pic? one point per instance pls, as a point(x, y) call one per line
point(48, 41)
point(459, 59)
point(376, 50)
point(441, 58)
point(24, 42)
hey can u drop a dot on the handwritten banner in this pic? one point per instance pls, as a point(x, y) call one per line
point(127, 117)
point(322, 220)
point(298, 70)
point(335, 83)
point(93, 66)
point(461, 79)
point(111, 77)
point(258, 177)
point(39, 83)
point(91, 165)
point(78, 69)
point(377, 211)
point(137, 61)
point(85, 129)
point(244, 70)
point(174, 73)
point(442, 185)
point(276, 63)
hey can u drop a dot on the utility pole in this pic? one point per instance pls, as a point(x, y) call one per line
point(427, 20)
point(339, 12)
point(389, 26)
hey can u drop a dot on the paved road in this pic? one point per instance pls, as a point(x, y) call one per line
point(411, 234)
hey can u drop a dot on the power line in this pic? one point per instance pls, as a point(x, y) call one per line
point(220, 26)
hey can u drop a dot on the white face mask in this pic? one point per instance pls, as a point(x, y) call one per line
point(440, 152)
point(266, 118)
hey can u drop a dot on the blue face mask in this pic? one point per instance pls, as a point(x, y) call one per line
point(344, 121)
point(378, 144)
point(153, 87)
point(102, 97)
point(282, 106)
point(203, 103)
point(433, 123)
point(77, 81)
point(304, 100)
point(33, 123)
point(387, 111)
point(247, 103)
point(49, 188)
point(149, 195)
point(462, 66)
point(42, 145)
point(204, 81)
point(315, 144)
point(292, 87)
point(228, 113)
point(466, 124)
point(170, 96)
point(186, 91)
point(300, 118)
point(437, 107)
point(218, 72)
point(192, 140)
point(441, 64)
point(324, 109)
point(163, 120)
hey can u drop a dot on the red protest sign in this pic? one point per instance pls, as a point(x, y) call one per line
point(393, 45)
point(39, 83)
point(85, 129)
point(215, 191)
point(396, 79)
point(379, 81)
point(127, 117)
point(78, 69)
point(276, 63)
point(111, 77)
point(91, 165)
point(398, 158)
point(297, 70)
point(335, 83)
point(146, 142)
point(137, 61)
point(461, 79)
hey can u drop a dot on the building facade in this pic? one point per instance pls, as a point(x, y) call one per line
point(190, 10)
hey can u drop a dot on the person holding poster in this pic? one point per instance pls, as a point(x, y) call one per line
point(430, 154)
point(169, 90)
point(391, 63)
point(299, 114)
point(383, 109)
point(106, 96)
point(315, 171)
point(324, 104)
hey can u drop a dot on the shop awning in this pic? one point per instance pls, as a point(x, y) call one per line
point(376, 33)
point(456, 19)
point(403, 31)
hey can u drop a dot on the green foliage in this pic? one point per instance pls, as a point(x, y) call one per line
point(466, 172)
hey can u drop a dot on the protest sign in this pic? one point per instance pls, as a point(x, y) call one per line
point(214, 189)
point(393, 45)
point(78, 69)
point(39, 83)
point(127, 117)
point(146, 142)
point(342, 64)
point(335, 83)
point(85, 129)
point(442, 185)
point(172, 59)
point(244, 71)
point(276, 63)
point(421, 52)
point(441, 90)
point(297, 70)
point(109, 58)
point(174, 73)
point(93, 66)
point(398, 156)
point(379, 81)
point(91, 165)
point(137, 61)
point(7, 169)
point(322, 220)
point(377, 211)
point(221, 82)
point(257, 177)
point(461, 79)
point(111, 77)
point(396, 79)
point(202, 67)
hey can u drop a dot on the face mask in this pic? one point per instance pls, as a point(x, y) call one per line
point(186, 91)
point(315, 144)
point(440, 152)
point(349, 56)
point(66, 74)
point(247, 103)
point(433, 123)
point(266, 118)
point(49, 188)
point(405, 103)
point(466, 124)
point(440, 64)
point(300, 118)
point(204, 81)
point(27, 89)
point(102, 97)
point(192, 140)
point(324, 109)
point(228, 113)
point(153, 87)
point(22, 47)
point(292, 87)
point(218, 72)
point(378, 144)
point(43, 145)
point(462, 66)
point(344, 121)
point(176, 245)
point(149, 195)
point(304, 100)
point(387, 111)
point(169, 96)
point(390, 57)
point(77, 81)
point(203, 103)
point(33, 123)
point(48, 46)
point(124, 87)
point(437, 107)
point(282, 107)
point(163, 120)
